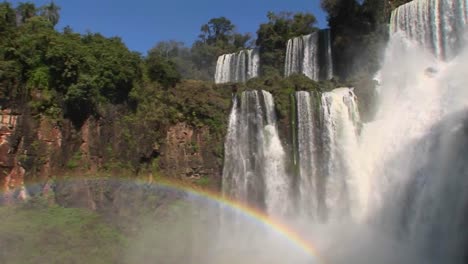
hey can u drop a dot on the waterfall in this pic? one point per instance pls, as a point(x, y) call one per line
point(307, 153)
point(310, 55)
point(254, 168)
point(437, 25)
point(327, 137)
point(237, 67)
point(414, 154)
point(394, 188)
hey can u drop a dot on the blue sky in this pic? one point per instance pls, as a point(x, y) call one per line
point(142, 23)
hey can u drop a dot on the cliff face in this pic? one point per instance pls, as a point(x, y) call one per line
point(11, 172)
point(191, 153)
point(35, 148)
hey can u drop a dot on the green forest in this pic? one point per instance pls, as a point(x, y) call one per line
point(178, 154)
point(64, 75)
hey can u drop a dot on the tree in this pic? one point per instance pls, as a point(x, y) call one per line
point(273, 36)
point(162, 70)
point(359, 33)
point(217, 37)
point(168, 49)
point(114, 67)
point(180, 55)
point(25, 11)
point(241, 40)
point(51, 13)
point(7, 17)
point(217, 29)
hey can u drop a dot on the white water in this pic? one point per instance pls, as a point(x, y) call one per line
point(327, 136)
point(308, 197)
point(237, 67)
point(436, 24)
point(413, 155)
point(340, 118)
point(395, 191)
point(310, 55)
point(254, 167)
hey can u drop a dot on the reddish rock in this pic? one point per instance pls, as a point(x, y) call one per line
point(188, 154)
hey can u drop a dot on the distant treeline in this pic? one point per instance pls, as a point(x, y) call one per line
point(72, 75)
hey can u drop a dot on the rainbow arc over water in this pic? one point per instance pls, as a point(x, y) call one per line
point(254, 213)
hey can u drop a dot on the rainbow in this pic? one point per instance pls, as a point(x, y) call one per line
point(254, 213)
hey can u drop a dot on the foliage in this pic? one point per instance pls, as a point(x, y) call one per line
point(162, 69)
point(273, 36)
point(217, 30)
point(38, 233)
point(25, 11)
point(51, 13)
point(75, 76)
point(396, 3)
point(177, 53)
point(76, 72)
point(161, 107)
point(359, 33)
point(217, 37)
point(282, 88)
point(75, 161)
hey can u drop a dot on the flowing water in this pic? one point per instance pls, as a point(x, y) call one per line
point(394, 190)
point(311, 55)
point(327, 136)
point(436, 24)
point(237, 67)
point(254, 168)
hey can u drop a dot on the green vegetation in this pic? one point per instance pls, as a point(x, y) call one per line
point(75, 161)
point(39, 233)
point(396, 3)
point(70, 76)
point(66, 75)
point(359, 34)
point(198, 62)
point(139, 223)
point(273, 37)
point(68, 70)
point(281, 88)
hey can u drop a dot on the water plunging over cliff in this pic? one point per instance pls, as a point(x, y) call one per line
point(414, 154)
point(237, 67)
point(311, 55)
point(326, 137)
point(436, 24)
point(254, 167)
point(398, 183)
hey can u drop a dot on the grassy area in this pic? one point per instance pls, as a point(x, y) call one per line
point(38, 233)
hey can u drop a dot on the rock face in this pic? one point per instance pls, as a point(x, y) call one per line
point(11, 170)
point(36, 148)
point(188, 153)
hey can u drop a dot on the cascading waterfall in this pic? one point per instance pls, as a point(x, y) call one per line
point(414, 154)
point(436, 24)
point(396, 184)
point(327, 127)
point(254, 168)
point(237, 67)
point(340, 121)
point(310, 55)
point(307, 152)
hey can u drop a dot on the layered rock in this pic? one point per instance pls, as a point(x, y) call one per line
point(36, 149)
